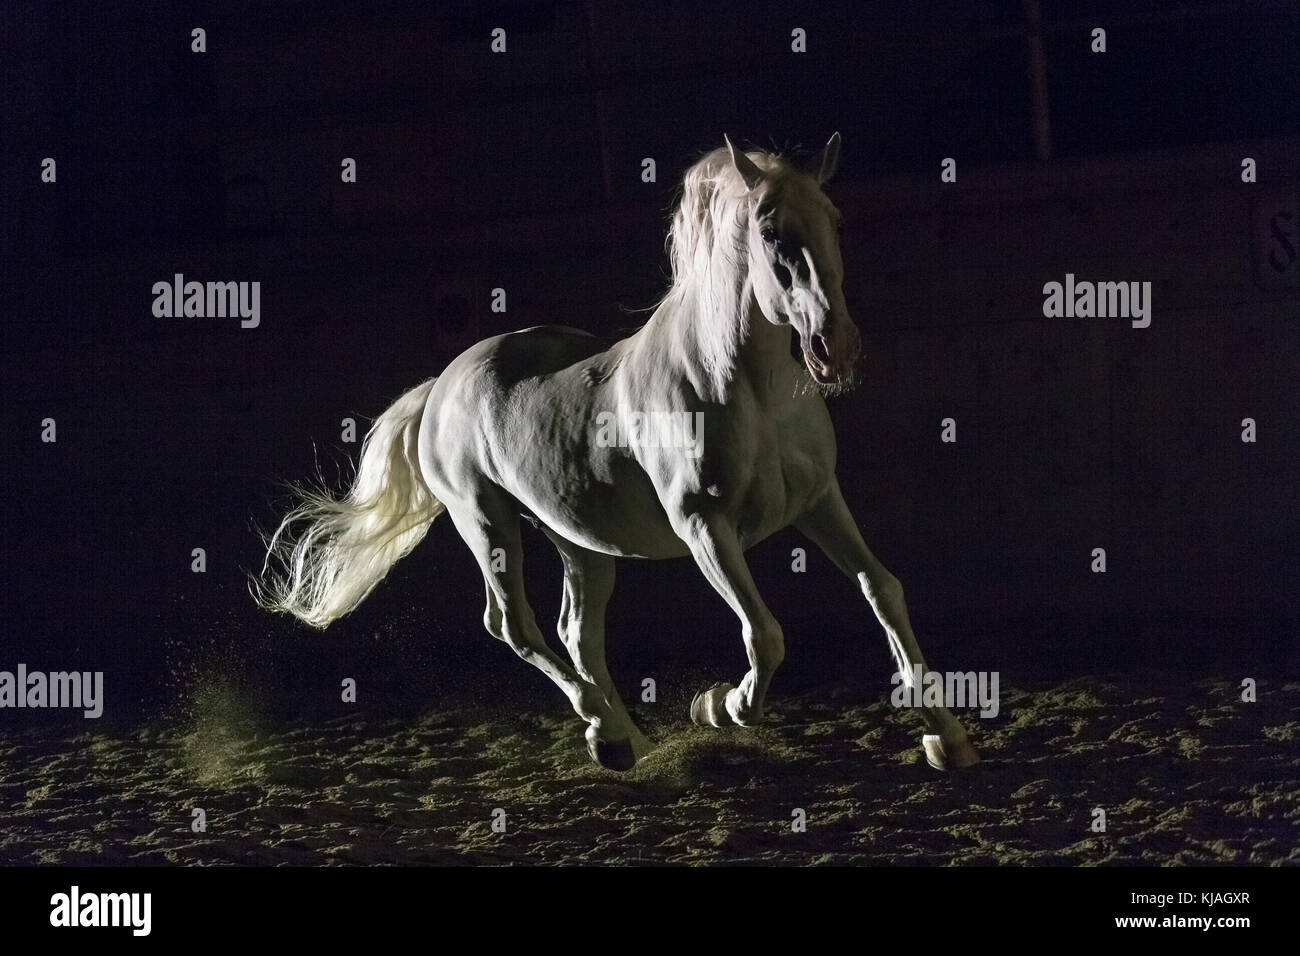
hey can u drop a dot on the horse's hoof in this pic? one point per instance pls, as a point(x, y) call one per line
point(949, 754)
point(709, 708)
point(611, 754)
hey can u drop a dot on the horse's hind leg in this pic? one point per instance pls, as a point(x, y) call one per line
point(489, 525)
point(588, 584)
point(830, 525)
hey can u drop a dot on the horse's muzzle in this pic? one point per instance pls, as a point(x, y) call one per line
point(831, 356)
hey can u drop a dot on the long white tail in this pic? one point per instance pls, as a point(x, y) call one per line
point(329, 553)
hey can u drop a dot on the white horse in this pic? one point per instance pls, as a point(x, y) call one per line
point(522, 423)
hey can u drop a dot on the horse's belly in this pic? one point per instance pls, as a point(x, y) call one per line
point(626, 520)
point(596, 497)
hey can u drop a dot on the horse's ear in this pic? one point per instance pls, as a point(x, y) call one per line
point(749, 172)
point(824, 168)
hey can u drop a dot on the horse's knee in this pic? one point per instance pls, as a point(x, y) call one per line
point(768, 643)
point(884, 591)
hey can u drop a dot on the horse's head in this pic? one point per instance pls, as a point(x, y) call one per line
point(795, 267)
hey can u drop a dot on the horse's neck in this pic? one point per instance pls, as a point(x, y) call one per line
point(718, 339)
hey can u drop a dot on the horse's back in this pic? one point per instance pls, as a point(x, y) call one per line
point(514, 357)
point(509, 388)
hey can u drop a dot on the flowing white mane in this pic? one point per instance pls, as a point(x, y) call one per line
point(713, 196)
point(707, 250)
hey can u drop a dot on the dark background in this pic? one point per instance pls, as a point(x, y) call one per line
point(522, 171)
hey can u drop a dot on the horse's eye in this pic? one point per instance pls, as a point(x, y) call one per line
point(768, 234)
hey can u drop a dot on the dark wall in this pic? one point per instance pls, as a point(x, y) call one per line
point(523, 171)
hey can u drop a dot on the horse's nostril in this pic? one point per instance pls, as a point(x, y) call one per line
point(820, 350)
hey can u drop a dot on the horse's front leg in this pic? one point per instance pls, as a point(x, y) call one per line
point(831, 527)
point(716, 548)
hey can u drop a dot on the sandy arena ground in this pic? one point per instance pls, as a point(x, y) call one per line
point(1187, 774)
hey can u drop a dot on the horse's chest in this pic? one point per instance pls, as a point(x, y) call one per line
point(789, 474)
